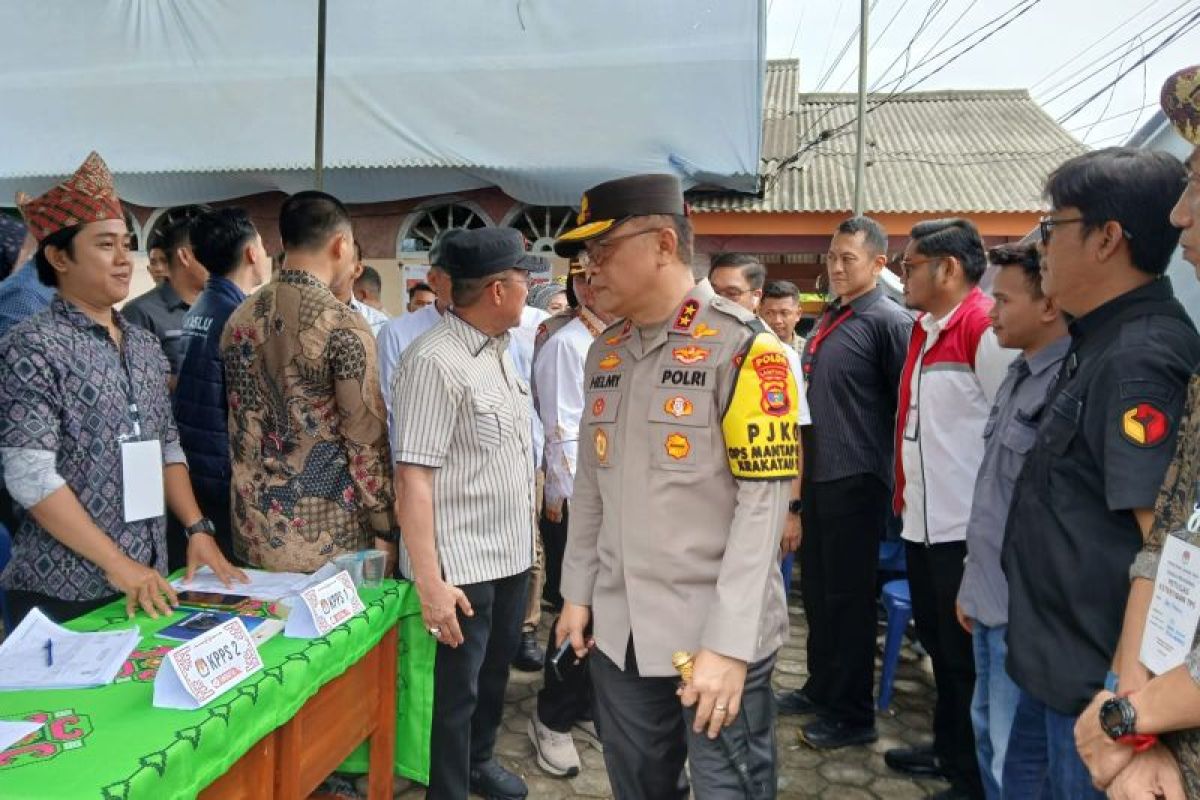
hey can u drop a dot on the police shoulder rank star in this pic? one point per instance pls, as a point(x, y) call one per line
point(1145, 425)
point(686, 315)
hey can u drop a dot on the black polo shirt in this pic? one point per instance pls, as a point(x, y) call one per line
point(852, 368)
point(161, 311)
point(1105, 437)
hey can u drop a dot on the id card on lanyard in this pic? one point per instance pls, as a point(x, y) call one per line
point(1174, 613)
point(141, 464)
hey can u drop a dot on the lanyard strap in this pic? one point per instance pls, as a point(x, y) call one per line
point(814, 343)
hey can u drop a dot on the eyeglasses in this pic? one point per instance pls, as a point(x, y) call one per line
point(594, 253)
point(1047, 224)
point(733, 293)
point(906, 267)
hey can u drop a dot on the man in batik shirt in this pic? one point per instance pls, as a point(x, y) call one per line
point(86, 433)
point(307, 426)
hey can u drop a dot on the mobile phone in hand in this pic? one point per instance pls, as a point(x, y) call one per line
point(564, 661)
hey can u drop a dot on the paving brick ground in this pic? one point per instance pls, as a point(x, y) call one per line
point(854, 773)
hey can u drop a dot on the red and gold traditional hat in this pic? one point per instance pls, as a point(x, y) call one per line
point(1181, 102)
point(86, 196)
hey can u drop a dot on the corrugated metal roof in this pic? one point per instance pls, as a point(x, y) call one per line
point(946, 151)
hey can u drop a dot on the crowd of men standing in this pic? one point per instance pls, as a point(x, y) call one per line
point(690, 442)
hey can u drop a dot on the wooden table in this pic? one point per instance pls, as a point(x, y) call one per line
point(292, 760)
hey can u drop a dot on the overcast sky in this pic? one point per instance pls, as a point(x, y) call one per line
point(1039, 51)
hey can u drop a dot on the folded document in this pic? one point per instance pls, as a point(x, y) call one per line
point(40, 654)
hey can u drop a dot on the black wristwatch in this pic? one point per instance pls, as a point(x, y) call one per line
point(795, 507)
point(1118, 717)
point(204, 525)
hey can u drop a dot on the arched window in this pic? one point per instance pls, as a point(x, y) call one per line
point(424, 223)
point(540, 225)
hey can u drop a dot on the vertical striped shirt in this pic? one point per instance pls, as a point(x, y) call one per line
point(461, 408)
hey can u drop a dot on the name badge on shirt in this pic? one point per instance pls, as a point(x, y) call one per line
point(142, 479)
point(911, 423)
point(1175, 607)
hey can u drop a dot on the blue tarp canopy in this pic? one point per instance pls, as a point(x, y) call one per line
point(191, 100)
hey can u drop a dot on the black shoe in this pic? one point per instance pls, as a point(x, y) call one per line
point(828, 734)
point(529, 656)
point(796, 703)
point(491, 781)
point(919, 762)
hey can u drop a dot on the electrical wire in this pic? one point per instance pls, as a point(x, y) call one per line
point(1187, 26)
point(878, 37)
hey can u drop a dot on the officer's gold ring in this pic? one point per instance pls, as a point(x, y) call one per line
point(721, 709)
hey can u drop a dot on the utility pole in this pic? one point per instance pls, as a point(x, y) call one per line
point(319, 144)
point(860, 153)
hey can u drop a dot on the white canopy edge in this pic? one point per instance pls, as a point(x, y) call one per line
point(196, 100)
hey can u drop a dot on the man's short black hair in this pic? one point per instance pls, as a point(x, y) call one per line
point(219, 237)
point(1135, 188)
point(778, 290)
point(874, 235)
point(307, 220)
point(370, 280)
point(421, 287)
point(63, 239)
point(171, 230)
point(752, 269)
point(955, 237)
point(357, 251)
point(1024, 256)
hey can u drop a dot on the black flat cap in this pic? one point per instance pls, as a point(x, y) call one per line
point(435, 250)
point(483, 251)
point(534, 264)
point(610, 203)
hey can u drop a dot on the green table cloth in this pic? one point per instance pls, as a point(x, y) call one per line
point(110, 742)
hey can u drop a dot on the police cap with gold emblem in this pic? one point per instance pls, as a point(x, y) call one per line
point(609, 204)
point(484, 251)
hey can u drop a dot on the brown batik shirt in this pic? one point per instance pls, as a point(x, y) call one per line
point(1177, 499)
point(307, 427)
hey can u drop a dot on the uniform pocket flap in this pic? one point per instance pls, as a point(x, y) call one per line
point(681, 408)
point(601, 407)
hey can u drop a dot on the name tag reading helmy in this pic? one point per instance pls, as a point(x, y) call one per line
point(199, 671)
point(323, 607)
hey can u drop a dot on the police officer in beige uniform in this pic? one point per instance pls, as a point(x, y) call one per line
point(686, 448)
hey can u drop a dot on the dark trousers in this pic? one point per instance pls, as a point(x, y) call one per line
point(844, 521)
point(469, 682)
point(647, 736)
point(20, 603)
point(216, 508)
point(554, 545)
point(563, 702)
point(934, 575)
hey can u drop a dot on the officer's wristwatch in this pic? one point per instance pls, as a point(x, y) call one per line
point(204, 525)
point(795, 507)
point(1118, 717)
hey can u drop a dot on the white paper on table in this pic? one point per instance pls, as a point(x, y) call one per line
point(142, 480)
point(12, 732)
point(263, 585)
point(79, 659)
point(1174, 609)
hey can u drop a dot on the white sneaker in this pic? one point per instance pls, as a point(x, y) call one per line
point(556, 753)
point(585, 731)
